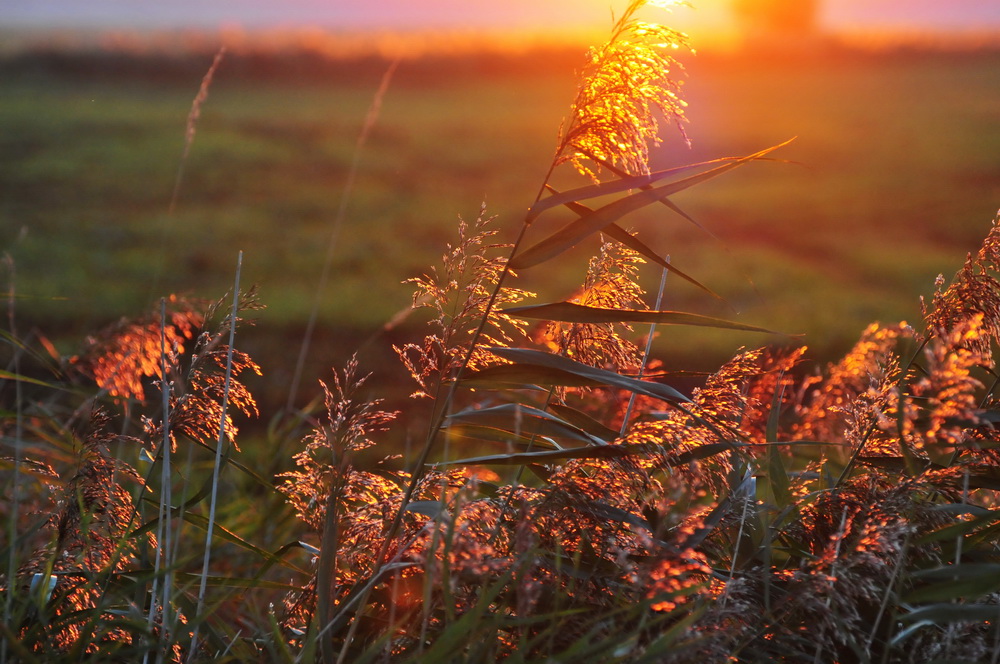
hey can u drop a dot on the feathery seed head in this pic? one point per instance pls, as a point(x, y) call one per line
point(626, 83)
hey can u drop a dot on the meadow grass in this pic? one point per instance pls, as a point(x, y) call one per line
point(558, 497)
point(890, 145)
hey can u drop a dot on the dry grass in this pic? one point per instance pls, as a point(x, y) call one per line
point(776, 514)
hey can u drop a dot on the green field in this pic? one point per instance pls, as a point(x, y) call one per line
point(897, 177)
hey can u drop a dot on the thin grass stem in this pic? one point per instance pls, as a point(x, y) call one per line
point(327, 562)
point(338, 221)
point(888, 591)
point(15, 509)
point(166, 497)
point(216, 468)
point(164, 481)
point(648, 351)
point(192, 125)
point(441, 410)
point(736, 551)
point(190, 129)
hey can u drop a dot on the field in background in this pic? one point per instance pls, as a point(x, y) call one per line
point(897, 177)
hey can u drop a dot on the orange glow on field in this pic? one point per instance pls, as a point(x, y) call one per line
point(780, 15)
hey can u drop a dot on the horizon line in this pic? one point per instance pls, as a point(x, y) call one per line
point(417, 42)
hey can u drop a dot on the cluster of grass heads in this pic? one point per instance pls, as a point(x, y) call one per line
point(565, 502)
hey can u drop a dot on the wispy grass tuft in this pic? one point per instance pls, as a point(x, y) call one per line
point(192, 125)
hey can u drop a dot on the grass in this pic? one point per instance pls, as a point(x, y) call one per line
point(556, 495)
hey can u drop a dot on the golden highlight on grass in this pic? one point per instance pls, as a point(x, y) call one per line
point(627, 82)
point(459, 295)
point(119, 358)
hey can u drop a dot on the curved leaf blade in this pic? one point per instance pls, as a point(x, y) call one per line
point(616, 232)
point(9, 375)
point(525, 420)
point(624, 183)
point(592, 452)
point(948, 613)
point(547, 362)
point(574, 232)
point(570, 312)
point(519, 458)
point(494, 435)
point(584, 422)
point(520, 376)
point(236, 582)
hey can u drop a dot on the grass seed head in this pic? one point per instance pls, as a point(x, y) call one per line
point(627, 82)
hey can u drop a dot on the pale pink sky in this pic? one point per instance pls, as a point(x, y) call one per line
point(474, 14)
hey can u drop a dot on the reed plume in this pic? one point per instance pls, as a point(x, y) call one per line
point(611, 283)
point(627, 83)
point(974, 290)
point(92, 546)
point(123, 355)
point(459, 296)
point(195, 404)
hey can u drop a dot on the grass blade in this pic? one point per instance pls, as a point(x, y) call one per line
point(616, 232)
point(619, 234)
point(952, 582)
point(518, 458)
point(592, 452)
point(494, 435)
point(526, 420)
point(777, 475)
point(521, 376)
point(624, 183)
point(584, 422)
point(544, 363)
point(949, 613)
point(9, 375)
point(570, 312)
point(216, 468)
point(574, 232)
point(227, 535)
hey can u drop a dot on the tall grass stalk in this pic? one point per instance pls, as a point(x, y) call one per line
point(8, 262)
point(190, 128)
point(160, 601)
point(192, 125)
point(607, 84)
point(217, 466)
point(326, 562)
point(371, 117)
point(647, 353)
point(890, 589)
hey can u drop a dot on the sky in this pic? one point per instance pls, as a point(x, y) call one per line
point(532, 15)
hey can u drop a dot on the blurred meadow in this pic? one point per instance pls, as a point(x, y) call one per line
point(894, 175)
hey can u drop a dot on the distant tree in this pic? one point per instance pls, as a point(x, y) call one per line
point(777, 16)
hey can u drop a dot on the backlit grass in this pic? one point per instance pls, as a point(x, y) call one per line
point(554, 489)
